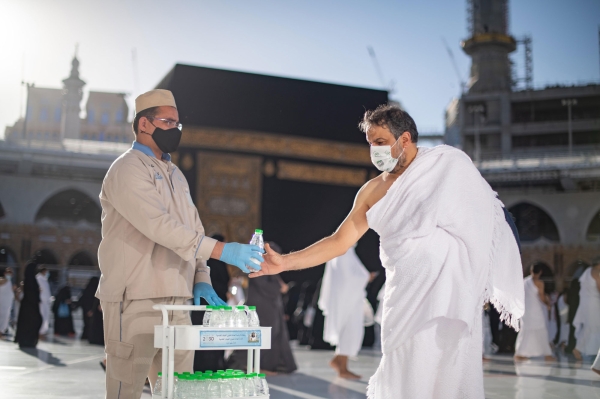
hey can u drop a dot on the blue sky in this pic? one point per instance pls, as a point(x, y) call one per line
point(315, 40)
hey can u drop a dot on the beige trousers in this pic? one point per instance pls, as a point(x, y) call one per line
point(129, 345)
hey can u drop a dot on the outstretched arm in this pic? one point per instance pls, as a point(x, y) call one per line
point(352, 228)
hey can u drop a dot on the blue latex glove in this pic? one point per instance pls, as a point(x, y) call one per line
point(240, 255)
point(206, 291)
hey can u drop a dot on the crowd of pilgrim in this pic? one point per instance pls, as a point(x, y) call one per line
point(553, 323)
point(565, 322)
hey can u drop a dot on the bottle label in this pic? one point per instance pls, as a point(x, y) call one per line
point(225, 339)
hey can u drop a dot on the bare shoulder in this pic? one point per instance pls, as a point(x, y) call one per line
point(373, 190)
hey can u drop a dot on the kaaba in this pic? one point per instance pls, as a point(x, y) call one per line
point(276, 153)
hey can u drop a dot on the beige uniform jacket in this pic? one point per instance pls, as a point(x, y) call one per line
point(153, 242)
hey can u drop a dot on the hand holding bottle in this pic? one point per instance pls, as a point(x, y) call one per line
point(242, 256)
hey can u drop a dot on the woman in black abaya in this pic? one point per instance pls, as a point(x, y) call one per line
point(63, 316)
point(30, 319)
point(86, 301)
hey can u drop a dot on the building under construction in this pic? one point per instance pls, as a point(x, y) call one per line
point(539, 148)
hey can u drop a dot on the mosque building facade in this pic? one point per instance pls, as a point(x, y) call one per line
point(53, 115)
point(538, 148)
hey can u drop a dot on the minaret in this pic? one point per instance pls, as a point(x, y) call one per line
point(73, 93)
point(489, 46)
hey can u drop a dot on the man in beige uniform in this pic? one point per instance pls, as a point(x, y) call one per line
point(153, 249)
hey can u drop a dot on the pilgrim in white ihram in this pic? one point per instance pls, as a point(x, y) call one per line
point(341, 300)
point(587, 318)
point(45, 299)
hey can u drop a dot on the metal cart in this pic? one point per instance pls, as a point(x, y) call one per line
point(170, 338)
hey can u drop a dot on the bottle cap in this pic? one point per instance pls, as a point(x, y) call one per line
point(240, 307)
point(262, 375)
point(252, 307)
point(160, 373)
point(258, 231)
point(228, 308)
point(186, 373)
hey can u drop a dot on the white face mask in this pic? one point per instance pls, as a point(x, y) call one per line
point(382, 158)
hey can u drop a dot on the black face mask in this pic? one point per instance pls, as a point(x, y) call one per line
point(167, 140)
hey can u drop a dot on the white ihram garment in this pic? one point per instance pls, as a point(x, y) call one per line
point(587, 318)
point(7, 297)
point(488, 348)
point(532, 340)
point(447, 249)
point(596, 365)
point(378, 314)
point(563, 314)
point(341, 300)
point(45, 303)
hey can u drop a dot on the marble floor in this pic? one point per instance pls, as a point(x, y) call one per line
point(68, 368)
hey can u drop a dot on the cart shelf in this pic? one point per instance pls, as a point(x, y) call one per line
point(183, 337)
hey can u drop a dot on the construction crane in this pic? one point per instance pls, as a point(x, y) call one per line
point(461, 82)
point(528, 53)
point(388, 86)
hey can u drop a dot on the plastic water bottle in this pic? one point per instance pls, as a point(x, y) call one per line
point(207, 314)
point(175, 384)
point(241, 318)
point(199, 390)
point(249, 388)
point(214, 388)
point(218, 316)
point(264, 387)
point(257, 384)
point(257, 239)
point(253, 317)
point(225, 382)
point(158, 385)
point(229, 317)
point(184, 387)
point(237, 386)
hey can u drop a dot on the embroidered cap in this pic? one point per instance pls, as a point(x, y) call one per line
point(154, 98)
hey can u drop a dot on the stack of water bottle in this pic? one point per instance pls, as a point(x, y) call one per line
point(230, 316)
point(215, 385)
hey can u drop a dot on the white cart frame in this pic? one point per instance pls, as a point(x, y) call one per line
point(170, 338)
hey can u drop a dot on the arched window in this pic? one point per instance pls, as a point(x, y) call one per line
point(7, 256)
point(69, 206)
point(593, 231)
point(45, 257)
point(533, 223)
point(81, 259)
